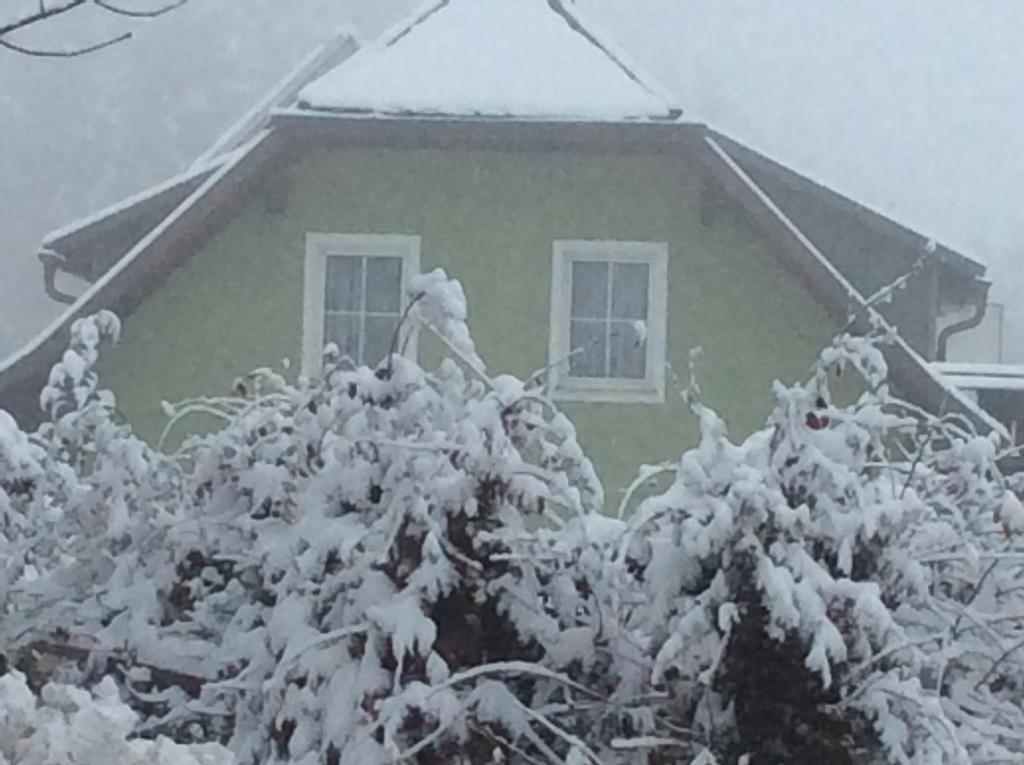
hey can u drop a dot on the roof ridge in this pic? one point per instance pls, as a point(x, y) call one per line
point(410, 22)
point(594, 34)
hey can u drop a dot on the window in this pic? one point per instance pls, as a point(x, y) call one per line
point(355, 294)
point(608, 321)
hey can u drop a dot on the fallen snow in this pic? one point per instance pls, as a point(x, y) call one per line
point(490, 58)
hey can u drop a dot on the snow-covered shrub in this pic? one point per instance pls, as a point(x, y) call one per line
point(345, 559)
point(842, 587)
point(80, 502)
point(393, 565)
point(65, 724)
point(334, 576)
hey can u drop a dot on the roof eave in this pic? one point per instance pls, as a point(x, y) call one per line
point(959, 264)
point(346, 130)
point(908, 369)
point(72, 240)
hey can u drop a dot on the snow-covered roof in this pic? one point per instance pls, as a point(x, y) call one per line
point(194, 175)
point(532, 59)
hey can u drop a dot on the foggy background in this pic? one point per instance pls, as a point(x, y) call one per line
point(912, 108)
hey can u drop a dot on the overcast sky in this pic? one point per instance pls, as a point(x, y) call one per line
point(913, 108)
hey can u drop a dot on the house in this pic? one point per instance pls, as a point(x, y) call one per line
point(511, 143)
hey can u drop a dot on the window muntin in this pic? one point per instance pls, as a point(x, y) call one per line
point(608, 320)
point(362, 305)
point(608, 313)
point(355, 287)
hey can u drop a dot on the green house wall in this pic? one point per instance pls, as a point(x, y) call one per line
point(489, 219)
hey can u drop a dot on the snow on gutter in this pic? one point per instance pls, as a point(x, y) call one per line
point(981, 382)
point(856, 299)
point(77, 308)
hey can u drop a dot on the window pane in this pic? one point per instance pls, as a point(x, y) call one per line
point(629, 290)
point(383, 284)
point(587, 344)
point(628, 353)
point(342, 329)
point(344, 283)
point(379, 332)
point(589, 290)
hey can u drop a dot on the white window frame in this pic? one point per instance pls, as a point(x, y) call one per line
point(651, 389)
point(319, 247)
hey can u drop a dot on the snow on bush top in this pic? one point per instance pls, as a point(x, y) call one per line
point(319, 572)
point(841, 582)
point(394, 565)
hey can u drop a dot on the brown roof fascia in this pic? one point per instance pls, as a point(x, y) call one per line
point(87, 248)
point(908, 370)
point(345, 130)
point(964, 266)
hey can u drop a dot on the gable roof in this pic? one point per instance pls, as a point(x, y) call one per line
point(493, 58)
point(141, 270)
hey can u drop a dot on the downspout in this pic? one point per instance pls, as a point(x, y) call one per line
point(52, 262)
point(980, 303)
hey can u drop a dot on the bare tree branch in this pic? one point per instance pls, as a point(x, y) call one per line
point(69, 53)
point(48, 12)
point(44, 13)
point(138, 14)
